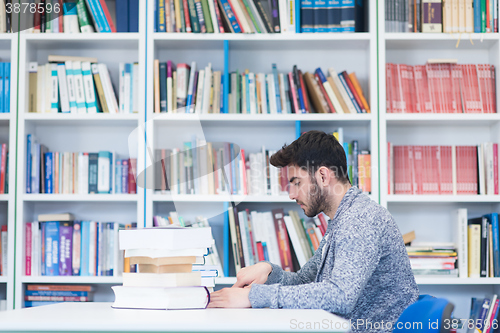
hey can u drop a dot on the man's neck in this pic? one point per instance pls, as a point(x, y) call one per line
point(335, 201)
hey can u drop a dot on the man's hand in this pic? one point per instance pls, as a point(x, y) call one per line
point(257, 274)
point(230, 298)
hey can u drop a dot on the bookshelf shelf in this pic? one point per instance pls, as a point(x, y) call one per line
point(456, 281)
point(442, 198)
point(275, 118)
point(68, 119)
point(3, 279)
point(4, 197)
point(396, 36)
point(441, 119)
point(80, 197)
point(365, 36)
point(219, 198)
point(72, 279)
point(94, 37)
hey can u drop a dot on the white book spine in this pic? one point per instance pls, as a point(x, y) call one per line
point(459, 234)
point(202, 166)
point(88, 83)
point(244, 241)
point(275, 181)
point(170, 94)
point(215, 22)
point(291, 16)
point(271, 240)
point(109, 93)
point(135, 89)
point(47, 108)
point(263, 92)
point(79, 90)
point(63, 88)
point(283, 11)
point(81, 178)
point(173, 167)
point(207, 89)
point(121, 88)
point(71, 86)
point(333, 97)
point(199, 94)
point(85, 173)
point(4, 253)
point(490, 176)
point(103, 174)
point(92, 248)
point(54, 98)
point(182, 86)
point(40, 95)
point(127, 83)
point(294, 238)
point(273, 108)
point(190, 88)
point(253, 97)
point(35, 248)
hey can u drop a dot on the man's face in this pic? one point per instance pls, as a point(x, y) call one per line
point(305, 191)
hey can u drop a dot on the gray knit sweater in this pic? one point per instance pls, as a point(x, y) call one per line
point(360, 271)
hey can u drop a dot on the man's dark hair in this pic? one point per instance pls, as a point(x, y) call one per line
point(312, 150)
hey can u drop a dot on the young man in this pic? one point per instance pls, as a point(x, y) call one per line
point(360, 271)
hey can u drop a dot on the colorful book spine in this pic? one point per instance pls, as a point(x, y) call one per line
point(6, 88)
point(65, 248)
point(51, 242)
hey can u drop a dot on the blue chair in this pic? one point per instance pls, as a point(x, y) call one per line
point(427, 315)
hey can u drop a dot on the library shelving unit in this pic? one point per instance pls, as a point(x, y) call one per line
point(432, 216)
point(255, 52)
point(8, 125)
point(118, 133)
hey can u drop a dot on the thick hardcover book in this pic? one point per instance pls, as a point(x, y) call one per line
point(76, 244)
point(283, 241)
point(133, 15)
point(51, 242)
point(65, 248)
point(432, 16)
point(93, 158)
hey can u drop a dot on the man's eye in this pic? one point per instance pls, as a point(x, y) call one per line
point(297, 184)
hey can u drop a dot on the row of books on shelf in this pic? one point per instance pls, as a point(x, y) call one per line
point(202, 167)
point(77, 172)
point(4, 169)
point(3, 249)
point(441, 88)
point(47, 294)
point(433, 259)
point(483, 316)
point(5, 87)
point(451, 16)
point(285, 240)
point(81, 16)
point(187, 90)
point(443, 169)
point(81, 87)
point(59, 245)
point(169, 275)
point(260, 16)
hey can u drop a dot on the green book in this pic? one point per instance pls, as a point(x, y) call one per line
point(250, 13)
point(195, 25)
point(483, 15)
point(206, 14)
point(183, 22)
point(83, 17)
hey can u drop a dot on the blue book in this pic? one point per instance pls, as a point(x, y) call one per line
point(133, 15)
point(110, 246)
point(30, 304)
point(99, 17)
point(2, 84)
point(122, 15)
point(493, 219)
point(98, 241)
point(334, 12)
point(163, 87)
point(51, 248)
point(477, 16)
point(6, 88)
point(84, 253)
point(156, 16)
point(349, 92)
point(67, 293)
point(277, 88)
point(49, 172)
point(346, 150)
point(105, 160)
point(129, 70)
point(125, 170)
point(230, 16)
point(320, 16)
point(299, 89)
point(28, 163)
point(347, 15)
point(297, 16)
point(54, 105)
point(118, 176)
point(483, 312)
point(222, 94)
point(306, 15)
point(266, 253)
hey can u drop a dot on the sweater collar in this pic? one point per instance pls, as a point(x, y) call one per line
point(345, 203)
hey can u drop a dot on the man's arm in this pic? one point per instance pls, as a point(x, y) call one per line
point(356, 255)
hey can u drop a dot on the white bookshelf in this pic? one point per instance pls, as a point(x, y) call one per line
point(8, 124)
point(432, 216)
point(118, 133)
point(257, 52)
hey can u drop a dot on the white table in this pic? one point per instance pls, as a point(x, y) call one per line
point(100, 317)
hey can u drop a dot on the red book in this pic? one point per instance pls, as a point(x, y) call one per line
point(293, 89)
point(236, 16)
point(132, 174)
point(456, 78)
point(434, 165)
point(219, 19)
point(3, 168)
point(445, 170)
point(322, 219)
point(260, 251)
point(420, 180)
point(493, 90)
point(305, 97)
point(388, 88)
point(61, 18)
point(390, 172)
point(323, 91)
point(108, 16)
point(353, 90)
point(398, 98)
point(412, 90)
point(495, 167)
point(187, 18)
point(28, 249)
point(282, 238)
point(408, 157)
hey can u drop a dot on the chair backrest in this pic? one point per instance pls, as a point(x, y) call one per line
point(427, 315)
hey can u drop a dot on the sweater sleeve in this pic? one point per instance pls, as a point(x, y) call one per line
point(356, 255)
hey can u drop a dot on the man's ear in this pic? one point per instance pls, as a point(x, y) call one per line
point(324, 176)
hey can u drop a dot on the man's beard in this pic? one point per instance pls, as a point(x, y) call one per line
point(317, 201)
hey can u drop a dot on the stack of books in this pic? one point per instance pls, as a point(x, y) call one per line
point(165, 258)
point(433, 259)
point(44, 294)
